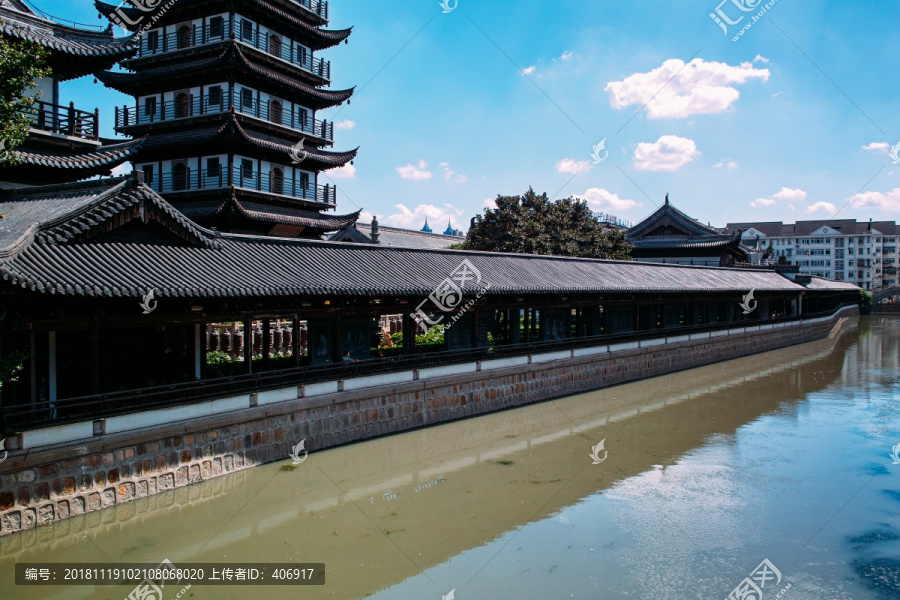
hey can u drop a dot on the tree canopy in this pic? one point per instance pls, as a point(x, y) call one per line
point(533, 224)
point(22, 63)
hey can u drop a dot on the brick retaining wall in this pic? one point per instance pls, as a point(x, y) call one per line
point(46, 485)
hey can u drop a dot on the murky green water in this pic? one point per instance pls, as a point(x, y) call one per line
point(781, 456)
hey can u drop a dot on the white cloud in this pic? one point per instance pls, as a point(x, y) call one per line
point(676, 90)
point(451, 175)
point(668, 153)
point(348, 171)
point(827, 207)
point(529, 70)
point(567, 56)
point(888, 203)
point(416, 173)
point(601, 199)
point(730, 164)
point(345, 124)
point(760, 58)
point(877, 147)
point(414, 218)
point(489, 203)
point(785, 194)
point(573, 167)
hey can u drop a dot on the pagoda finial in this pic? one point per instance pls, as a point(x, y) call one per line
point(426, 229)
point(667, 198)
point(375, 233)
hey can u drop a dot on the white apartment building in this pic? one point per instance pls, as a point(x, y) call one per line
point(865, 254)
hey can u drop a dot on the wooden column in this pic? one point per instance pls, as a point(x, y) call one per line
point(248, 344)
point(94, 357)
point(266, 343)
point(295, 340)
point(337, 354)
point(410, 329)
point(199, 352)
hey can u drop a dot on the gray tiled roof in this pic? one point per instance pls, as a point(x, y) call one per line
point(54, 243)
point(80, 50)
point(805, 228)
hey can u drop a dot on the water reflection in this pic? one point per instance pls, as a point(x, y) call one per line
point(709, 472)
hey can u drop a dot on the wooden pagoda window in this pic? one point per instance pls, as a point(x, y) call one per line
point(182, 105)
point(179, 176)
point(152, 41)
point(246, 169)
point(150, 107)
point(214, 170)
point(215, 96)
point(276, 114)
point(183, 37)
point(148, 174)
point(304, 183)
point(303, 118)
point(277, 181)
point(247, 99)
point(275, 46)
point(301, 55)
point(216, 27)
point(246, 30)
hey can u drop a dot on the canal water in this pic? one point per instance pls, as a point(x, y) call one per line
point(702, 476)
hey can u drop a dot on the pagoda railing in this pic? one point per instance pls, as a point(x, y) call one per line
point(203, 179)
point(193, 106)
point(274, 45)
point(65, 120)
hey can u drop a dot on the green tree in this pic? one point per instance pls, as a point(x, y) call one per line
point(533, 224)
point(22, 63)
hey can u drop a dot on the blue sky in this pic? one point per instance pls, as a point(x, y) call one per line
point(496, 96)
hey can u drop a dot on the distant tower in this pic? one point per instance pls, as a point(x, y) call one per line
point(426, 229)
point(227, 95)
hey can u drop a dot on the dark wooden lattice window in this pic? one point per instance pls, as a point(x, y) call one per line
point(246, 30)
point(182, 106)
point(183, 37)
point(276, 113)
point(216, 27)
point(277, 177)
point(179, 176)
point(275, 46)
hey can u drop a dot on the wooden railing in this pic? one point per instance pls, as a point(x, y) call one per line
point(65, 120)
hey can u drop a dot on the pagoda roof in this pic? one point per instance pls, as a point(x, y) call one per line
point(97, 240)
point(135, 84)
point(312, 36)
point(259, 212)
point(73, 52)
point(315, 158)
point(668, 221)
point(49, 166)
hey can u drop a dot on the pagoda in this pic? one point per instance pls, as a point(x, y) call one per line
point(63, 143)
point(227, 94)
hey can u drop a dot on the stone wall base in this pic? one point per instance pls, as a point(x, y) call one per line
point(45, 486)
